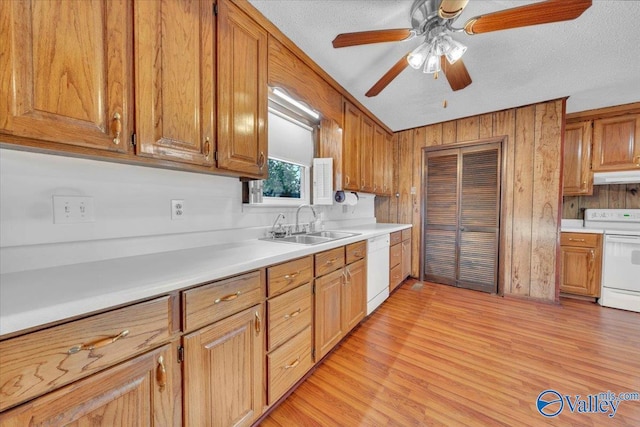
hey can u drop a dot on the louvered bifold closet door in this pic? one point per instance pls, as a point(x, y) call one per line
point(479, 218)
point(441, 216)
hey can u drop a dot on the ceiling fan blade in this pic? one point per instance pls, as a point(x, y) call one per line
point(456, 73)
point(388, 77)
point(374, 36)
point(533, 14)
point(450, 9)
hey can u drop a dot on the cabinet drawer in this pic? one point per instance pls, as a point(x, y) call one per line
point(406, 234)
point(41, 361)
point(356, 251)
point(395, 277)
point(288, 314)
point(206, 304)
point(288, 275)
point(585, 240)
point(329, 261)
point(395, 238)
point(395, 255)
point(288, 364)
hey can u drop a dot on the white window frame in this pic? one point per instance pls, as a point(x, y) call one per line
point(305, 189)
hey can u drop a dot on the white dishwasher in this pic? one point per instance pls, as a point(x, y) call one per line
point(377, 271)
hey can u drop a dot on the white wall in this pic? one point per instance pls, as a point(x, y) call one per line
point(132, 211)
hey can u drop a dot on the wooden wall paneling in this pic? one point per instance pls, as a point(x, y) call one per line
point(632, 197)
point(504, 125)
point(419, 141)
point(522, 200)
point(570, 207)
point(616, 196)
point(545, 214)
point(468, 129)
point(449, 132)
point(382, 208)
point(485, 126)
point(287, 71)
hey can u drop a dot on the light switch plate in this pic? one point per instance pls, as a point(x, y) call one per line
point(73, 209)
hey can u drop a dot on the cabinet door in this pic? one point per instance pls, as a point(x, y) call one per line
point(328, 314)
point(616, 143)
point(379, 160)
point(388, 165)
point(63, 74)
point(366, 154)
point(144, 391)
point(406, 259)
point(223, 371)
point(578, 272)
point(577, 178)
point(354, 299)
point(174, 74)
point(351, 147)
point(242, 92)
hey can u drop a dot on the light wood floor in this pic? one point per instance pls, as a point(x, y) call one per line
point(445, 356)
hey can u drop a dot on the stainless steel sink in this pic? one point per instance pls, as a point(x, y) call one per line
point(333, 235)
point(312, 238)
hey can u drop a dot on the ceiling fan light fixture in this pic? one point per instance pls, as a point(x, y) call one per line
point(432, 64)
point(418, 55)
point(455, 50)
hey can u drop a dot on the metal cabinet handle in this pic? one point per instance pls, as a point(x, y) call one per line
point(293, 365)
point(207, 147)
point(161, 374)
point(292, 276)
point(636, 160)
point(293, 314)
point(331, 261)
point(229, 297)
point(571, 239)
point(116, 128)
point(258, 323)
point(347, 180)
point(261, 160)
point(98, 343)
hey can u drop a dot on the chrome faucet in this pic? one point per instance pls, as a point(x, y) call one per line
point(315, 217)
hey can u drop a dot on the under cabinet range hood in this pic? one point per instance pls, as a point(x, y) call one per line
point(621, 177)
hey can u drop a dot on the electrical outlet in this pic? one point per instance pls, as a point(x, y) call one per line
point(177, 209)
point(72, 209)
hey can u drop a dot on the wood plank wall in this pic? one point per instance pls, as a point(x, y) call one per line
point(615, 196)
point(532, 198)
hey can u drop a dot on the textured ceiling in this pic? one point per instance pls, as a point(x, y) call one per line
point(594, 60)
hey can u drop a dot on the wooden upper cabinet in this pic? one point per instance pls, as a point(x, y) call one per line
point(63, 73)
point(382, 162)
point(351, 147)
point(367, 130)
point(616, 143)
point(578, 179)
point(389, 165)
point(242, 92)
point(174, 52)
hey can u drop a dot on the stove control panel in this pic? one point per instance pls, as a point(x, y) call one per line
point(612, 215)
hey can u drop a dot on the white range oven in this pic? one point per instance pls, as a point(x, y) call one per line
point(621, 256)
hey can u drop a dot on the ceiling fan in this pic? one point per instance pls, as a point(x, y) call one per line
point(433, 20)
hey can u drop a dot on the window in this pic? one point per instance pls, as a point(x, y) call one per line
point(291, 151)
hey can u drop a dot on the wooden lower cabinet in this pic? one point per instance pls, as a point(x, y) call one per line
point(143, 391)
point(399, 258)
point(223, 371)
point(340, 300)
point(581, 264)
point(328, 312)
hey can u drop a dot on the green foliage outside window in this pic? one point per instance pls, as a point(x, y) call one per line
point(284, 180)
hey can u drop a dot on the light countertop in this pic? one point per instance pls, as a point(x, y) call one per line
point(32, 298)
point(577, 226)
